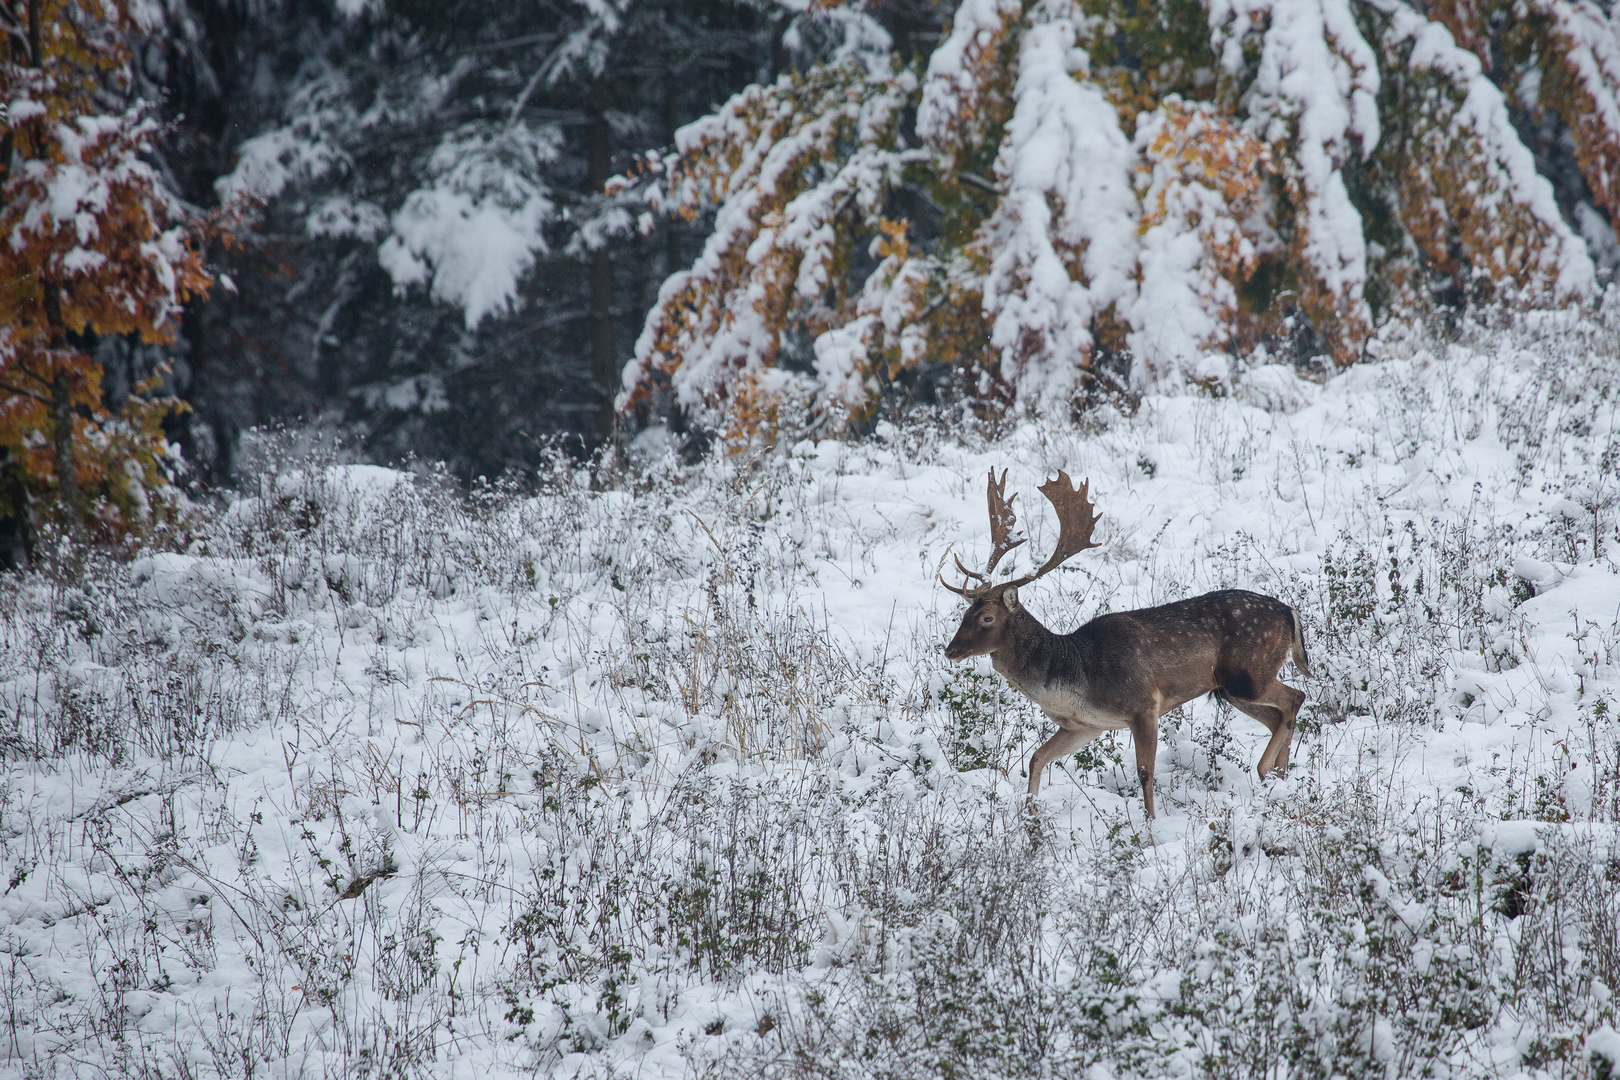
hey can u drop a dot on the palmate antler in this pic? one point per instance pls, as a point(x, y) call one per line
point(1077, 520)
point(1002, 522)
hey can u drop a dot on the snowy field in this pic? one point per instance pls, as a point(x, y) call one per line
point(665, 774)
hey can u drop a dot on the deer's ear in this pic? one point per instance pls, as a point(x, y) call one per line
point(1010, 599)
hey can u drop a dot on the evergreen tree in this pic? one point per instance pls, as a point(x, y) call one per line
point(438, 269)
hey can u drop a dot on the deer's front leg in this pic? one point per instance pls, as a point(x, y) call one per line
point(1145, 738)
point(1065, 741)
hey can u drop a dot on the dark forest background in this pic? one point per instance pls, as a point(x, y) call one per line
point(315, 330)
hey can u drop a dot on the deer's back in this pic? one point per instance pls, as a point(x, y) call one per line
point(1232, 639)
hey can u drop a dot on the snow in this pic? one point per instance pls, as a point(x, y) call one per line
point(476, 229)
point(1509, 162)
point(1591, 52)
point(340, 216)
point(468, 234)
point(1603, 1051)
point(267, 163)
point(1195, 241)
point(473, 255)
point(951, 113)
point(1316, 90)
point(1084, 230)
point(772, 248)
point(22, 110)
point(61, 203)
point(854, 29)
point(1601, 242)
point(80, 260)
point(495, 785)
point(1062, 240)
point(1276, 388)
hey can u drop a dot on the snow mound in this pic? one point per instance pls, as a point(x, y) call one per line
point(1276, 388)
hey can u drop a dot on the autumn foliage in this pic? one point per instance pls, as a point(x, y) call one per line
point(1074, 200)
point(774, 275)
point(93, 246)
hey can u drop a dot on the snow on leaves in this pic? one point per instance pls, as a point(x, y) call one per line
point(1061, 244)
point(1338, 160)
point(91, 244)
point(1312, 95)
point(775, 266)
point(968, 91)
point(90, 215)
point(475, 228)
point(1558, 57)
point(1202, 181)
point(1470, 196)
point(1585, 89)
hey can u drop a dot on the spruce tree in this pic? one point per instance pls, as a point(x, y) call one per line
point(438, 270)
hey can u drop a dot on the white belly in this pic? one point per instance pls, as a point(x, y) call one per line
point(1068, 707)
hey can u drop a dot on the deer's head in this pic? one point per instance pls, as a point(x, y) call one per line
point(992, 606)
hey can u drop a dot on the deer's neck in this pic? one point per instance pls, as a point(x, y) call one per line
point(1032, 657)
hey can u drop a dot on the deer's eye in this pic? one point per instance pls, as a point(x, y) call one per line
point(987, 620)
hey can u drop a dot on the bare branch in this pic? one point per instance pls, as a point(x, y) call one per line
point(25, 393)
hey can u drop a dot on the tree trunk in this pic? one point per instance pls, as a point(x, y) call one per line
point(67, 473)
point(672, 121)
point(36, 56)
point(21, 516)
point(67, 476)
point(604, 358)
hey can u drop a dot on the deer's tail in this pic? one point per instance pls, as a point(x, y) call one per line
point(1301, 661)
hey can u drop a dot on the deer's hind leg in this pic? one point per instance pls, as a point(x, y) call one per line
point(1145, 741)
point(1263, 713)
point(1278, 709)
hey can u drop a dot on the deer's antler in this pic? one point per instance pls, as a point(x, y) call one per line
point(1077, 520)
point(1002, 523)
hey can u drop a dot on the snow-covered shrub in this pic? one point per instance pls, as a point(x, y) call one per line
point(1072, 198)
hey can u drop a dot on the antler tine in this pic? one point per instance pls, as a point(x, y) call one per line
point(968, 590)
point(1077, 520)
point(1002, 540)
point(1002, 523)
point(965, 571)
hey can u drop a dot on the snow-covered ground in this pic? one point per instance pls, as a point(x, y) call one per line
point(667, 774)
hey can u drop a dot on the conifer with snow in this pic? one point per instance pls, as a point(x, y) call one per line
point(459, 286)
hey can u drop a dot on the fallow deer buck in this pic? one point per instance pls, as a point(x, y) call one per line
point(1126, 669)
